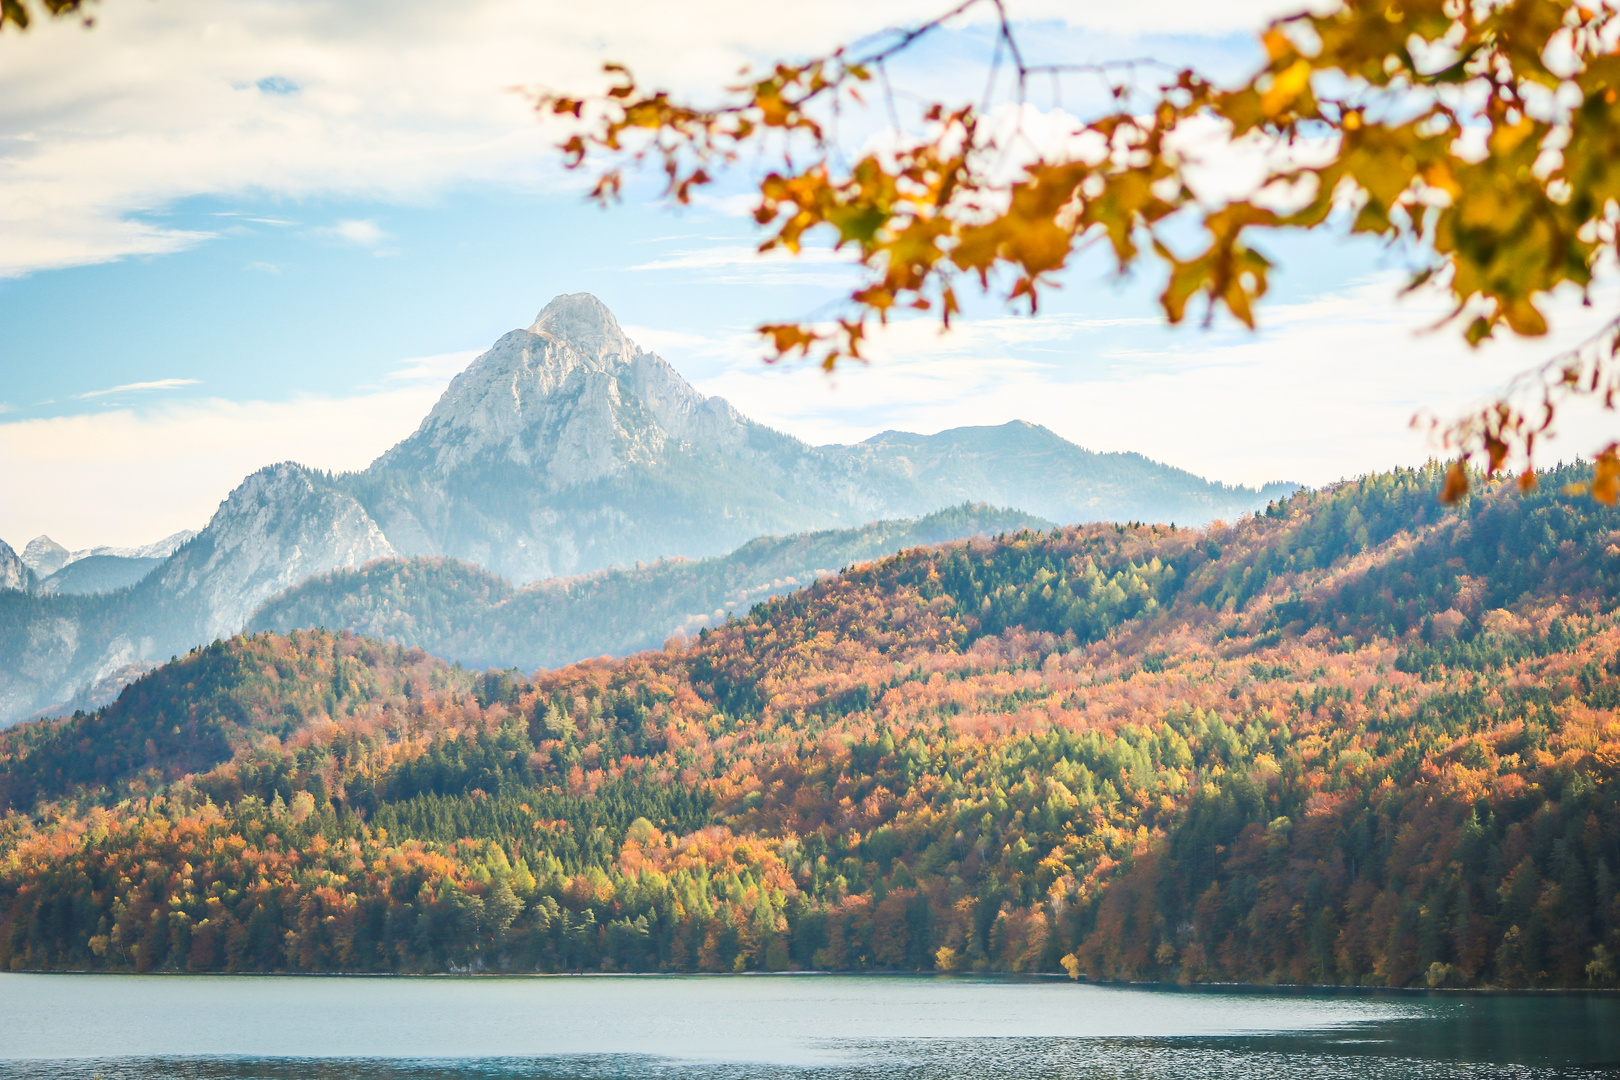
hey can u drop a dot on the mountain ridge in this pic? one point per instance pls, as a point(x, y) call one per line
point(458, 612)
point(45, 556)
point(564, 449)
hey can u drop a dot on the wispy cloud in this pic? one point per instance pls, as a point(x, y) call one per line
point(123, 476)
point(1324, 390)
point(171, 100)
point(364, 232)
point(253, 218)
point(742, 264)
point(440, 367)
point(138, 387)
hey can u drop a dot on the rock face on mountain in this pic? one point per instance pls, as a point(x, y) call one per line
point(45, 556)
point(565, 449)
point(14, 575)
point(281, 525)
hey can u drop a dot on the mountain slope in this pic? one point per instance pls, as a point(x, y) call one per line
point(14, 573)
point(461, 613)
point(49, 568)
point(1029, 467)
point(98, 574)
point(281, 525)
point(1362, 739)
point(563, 450)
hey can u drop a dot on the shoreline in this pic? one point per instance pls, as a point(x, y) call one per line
point(1234, 988)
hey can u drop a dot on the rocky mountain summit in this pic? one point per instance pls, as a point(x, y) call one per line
point(282, 525)
point(45, 556)
point(567, 448)
point(563, 450)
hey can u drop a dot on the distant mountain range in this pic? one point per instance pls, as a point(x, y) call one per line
point(45, 557)
point(47, 567)
point(564, 450)
point(95, 570)
point(459, 612)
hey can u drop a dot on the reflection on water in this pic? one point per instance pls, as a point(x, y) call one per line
point(805, 1028)
point(978, 1059)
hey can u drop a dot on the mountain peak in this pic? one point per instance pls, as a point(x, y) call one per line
point(583, 321)
point(560, 398)
point(45, 556)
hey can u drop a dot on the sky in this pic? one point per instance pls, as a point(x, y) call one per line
point(235, 232)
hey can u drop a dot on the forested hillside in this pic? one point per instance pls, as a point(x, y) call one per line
point(459, 612)
point(1361, 738)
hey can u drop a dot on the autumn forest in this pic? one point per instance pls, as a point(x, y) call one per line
point(1361, 738)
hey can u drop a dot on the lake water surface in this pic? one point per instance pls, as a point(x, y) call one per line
point(804, 1027)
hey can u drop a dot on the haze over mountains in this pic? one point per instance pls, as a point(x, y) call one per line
point(565, 449)
point(458, 612)
point(94, 570)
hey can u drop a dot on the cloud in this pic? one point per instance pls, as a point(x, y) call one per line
point(161, 101)
point(155, 384)
point(440, 368)
point(1325, 390)
point(363, 233)
point(744, 264)
point(129, 476)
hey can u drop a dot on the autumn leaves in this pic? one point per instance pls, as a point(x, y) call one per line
point(1477, 140)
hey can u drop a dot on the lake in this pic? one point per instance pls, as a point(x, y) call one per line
point(800, 1027)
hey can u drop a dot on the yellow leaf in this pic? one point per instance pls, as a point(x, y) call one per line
point(1286, 87)
point(1506, 137)
point(1523, 317)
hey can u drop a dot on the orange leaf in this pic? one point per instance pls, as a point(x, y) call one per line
point(1456, 481)
point(1606, 476)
